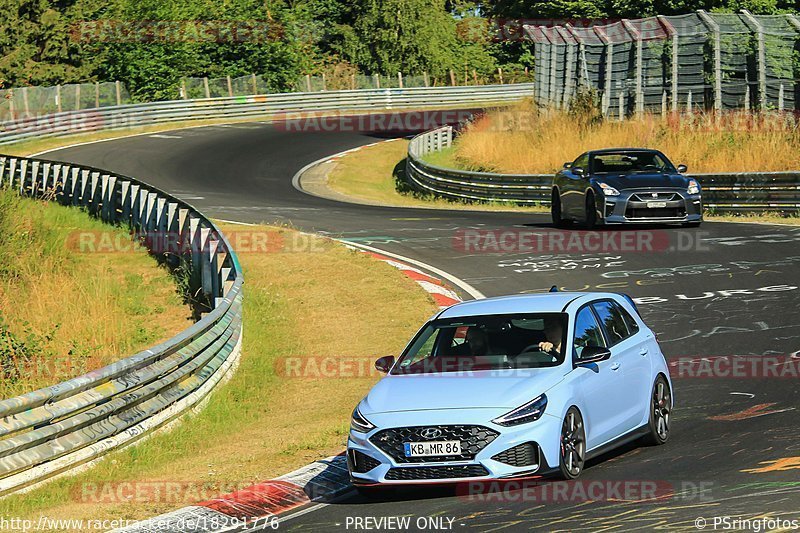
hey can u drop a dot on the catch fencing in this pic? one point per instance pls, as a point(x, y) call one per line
point(56, 429)
point(722, 192)
point(695, 61)
point(268, 106)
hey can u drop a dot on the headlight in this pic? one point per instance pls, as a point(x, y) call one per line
point(694, 187)
point(359, 423)
point(608, 190)
point(529, 412)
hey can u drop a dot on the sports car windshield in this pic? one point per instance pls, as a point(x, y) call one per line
point(630, 163)
point(493, 342)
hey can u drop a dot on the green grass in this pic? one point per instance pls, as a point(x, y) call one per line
point(372, 174)
point(323, 300)
point(65, 311)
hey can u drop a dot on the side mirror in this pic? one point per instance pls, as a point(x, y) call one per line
point(568, 164)
point(682, 168)
point(593, 354)
point(384, 364)
point(578, 171)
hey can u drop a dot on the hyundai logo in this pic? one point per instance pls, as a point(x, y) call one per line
point(430, 433)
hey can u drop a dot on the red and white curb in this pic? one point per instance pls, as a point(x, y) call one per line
point(260, 504)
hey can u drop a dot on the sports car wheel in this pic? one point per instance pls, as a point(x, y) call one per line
point(660, 410)
point(555, 211)
point(573, 445)
point(590, 219)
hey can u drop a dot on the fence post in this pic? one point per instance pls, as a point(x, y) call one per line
point(639, 64)
point(663, 103)
point(376, 81)
point(425, 77)
point(255, 83)
point(353, 82)
point(780, 98)
point(184, 93)
point(308, 83)
point(747, 96)
point(58, 98)
point(762, 60)
point(400, 79)
point(553, 94)
point(230, 85)
point(689, 101)
point(25, 101)
point(452, 78)
point(324, 82)
point(714, 27)
point(569, 69)
point(117, 86)
point(78, 97)
point(206, 87)
point(500, 74)
point(609, 68)
point(97, 94)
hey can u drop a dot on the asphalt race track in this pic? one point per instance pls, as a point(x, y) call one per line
point(722, 290)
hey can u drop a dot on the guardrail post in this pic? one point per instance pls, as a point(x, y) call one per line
point(125, 197)
point(195, 246)
point(159, 238)
point(136, 209)
point(205, 263)
point(34, 178)
point(23, 175)
point(76, 185)
point(46, 168)
point(94, 199)
point(2, 171)
point(61, 184)
point(213, 266)
point(103, 210)
point(172, 237)
point(12, 168)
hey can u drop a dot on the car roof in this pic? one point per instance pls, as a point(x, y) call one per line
point(549, 302)
point(617, 150)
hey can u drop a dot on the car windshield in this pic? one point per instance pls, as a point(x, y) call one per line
point(493, 342)
point(630, 163)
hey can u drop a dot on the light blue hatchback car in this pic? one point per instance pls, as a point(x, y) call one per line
point(511, 387)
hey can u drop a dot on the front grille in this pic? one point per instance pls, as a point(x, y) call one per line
point(473, 439)
point(361, 463)
point(659, 197)
point(436, 472)
point(526, 454)
point(655, 212)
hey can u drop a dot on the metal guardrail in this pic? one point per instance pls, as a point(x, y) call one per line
point(268, 105)
point(55, 429)
point(734, 192)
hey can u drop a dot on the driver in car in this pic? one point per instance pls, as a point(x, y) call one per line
point(553, 333)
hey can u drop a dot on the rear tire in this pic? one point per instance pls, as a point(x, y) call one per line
point(660, 413)
point(555, 210)
point(590, 218)
point(572, 445)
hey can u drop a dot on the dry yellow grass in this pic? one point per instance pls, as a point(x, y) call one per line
point(520, 140)
point(64, 312)
point(319, 300)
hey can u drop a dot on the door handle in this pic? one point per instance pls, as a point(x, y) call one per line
point(615, 366)
point(643, 351)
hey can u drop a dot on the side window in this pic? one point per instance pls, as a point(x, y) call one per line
point(582, 161)
point(633, 327)
point(613, 320)
point(587, 331)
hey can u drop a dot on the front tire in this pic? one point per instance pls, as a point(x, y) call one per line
point(692, 224)
point(660, 411)
point(555, 210)
point(590, 218)
point(573, 445)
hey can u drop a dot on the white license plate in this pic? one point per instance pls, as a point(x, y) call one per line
point(434, 447)
point(656, 204)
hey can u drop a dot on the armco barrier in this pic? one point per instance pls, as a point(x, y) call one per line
point(737, 192)
point(268, 105)
point(58, 428)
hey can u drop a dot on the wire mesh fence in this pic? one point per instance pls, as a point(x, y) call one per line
point(696, 61)
point(31, 101)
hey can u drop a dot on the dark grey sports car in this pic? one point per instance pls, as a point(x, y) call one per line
point(623, 186)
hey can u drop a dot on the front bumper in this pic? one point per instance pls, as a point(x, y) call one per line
point(636, 206)
point(518, 451)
